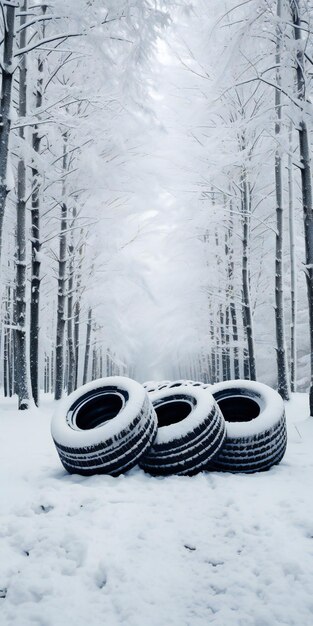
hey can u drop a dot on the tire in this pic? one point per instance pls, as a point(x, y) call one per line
point(255, 425)
point(152, 386)
point(104, 427)
point(191, 430)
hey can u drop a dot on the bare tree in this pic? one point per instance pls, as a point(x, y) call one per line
point(36, 238)
point(282, 367)
point(293, 274)
point(21, 252)
point(6, 97)
point(296, 9)
point(87, 346)
point(62, 278)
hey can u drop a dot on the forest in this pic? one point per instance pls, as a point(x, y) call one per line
point(156, 312)
point(156, 213)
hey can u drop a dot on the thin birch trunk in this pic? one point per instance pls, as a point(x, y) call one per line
point(87, 346)
point(218, 360)
point(76, 340)
point(281, 356)
point(77, 316)
point(245, 354)
point(5, 363)
point(94, 364)
point(6, 343)
point(213, 352)
point(11, 344)
point(59, 345)
point(20, 333)
point(52, 380)
point(227, 348)
point(247, 312)
point(223, 348)
point(227, 297)
point(46, 374)
point(109, 363)
point(70, 336)
point(232, 304)
point(14, 340)
point(6, 97)
point(101, 363)
point(293, 276)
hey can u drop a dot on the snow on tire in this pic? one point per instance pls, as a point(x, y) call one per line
point(191, 430)
point(151, 386)
point(255, 425)
point(194, 383)
point(104, 426)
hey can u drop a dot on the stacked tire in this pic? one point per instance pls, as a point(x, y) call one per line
point(104, 427)
point(172, 427)
point(191, 431)
point(152, 385)
point(256, 430)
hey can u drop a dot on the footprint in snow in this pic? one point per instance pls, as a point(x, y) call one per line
point(190, 547)
point(42, 508)
point(101, 576)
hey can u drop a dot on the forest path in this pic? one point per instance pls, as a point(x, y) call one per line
point(140, 551)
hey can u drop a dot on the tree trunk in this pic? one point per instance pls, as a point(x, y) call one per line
point(245, 353)
point(70, 337)
point(87, 348)
point(293, 277)
point(213, 353)
point(282, 367)
point(306, 178)
point(218, 360)
point(227, 294)
point(52, 379)
point(46, 375)
point(21, 374)
point(232, 304)
point(11, 355)
point(223, 346)
point(101, 363)
point(247, 312)
point(35, 244)
point(59, 344)
point(6, 344)
point(6, 97)
point(94, 364)
point(77, 316)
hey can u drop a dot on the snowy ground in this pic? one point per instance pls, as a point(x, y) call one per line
point(222, 549)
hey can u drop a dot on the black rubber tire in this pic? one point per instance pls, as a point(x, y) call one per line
point(255, 425)
point(104, 427)
point(185, 444)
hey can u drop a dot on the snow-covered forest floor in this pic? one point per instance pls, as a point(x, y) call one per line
point(212, 549)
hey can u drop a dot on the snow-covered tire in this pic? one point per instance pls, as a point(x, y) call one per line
point(255, 425)
point(191, 430)
point(104, 427)
point(182, 383)
point(151, 385)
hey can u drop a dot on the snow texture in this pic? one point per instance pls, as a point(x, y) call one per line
point(270, 403)
point(212, 549)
